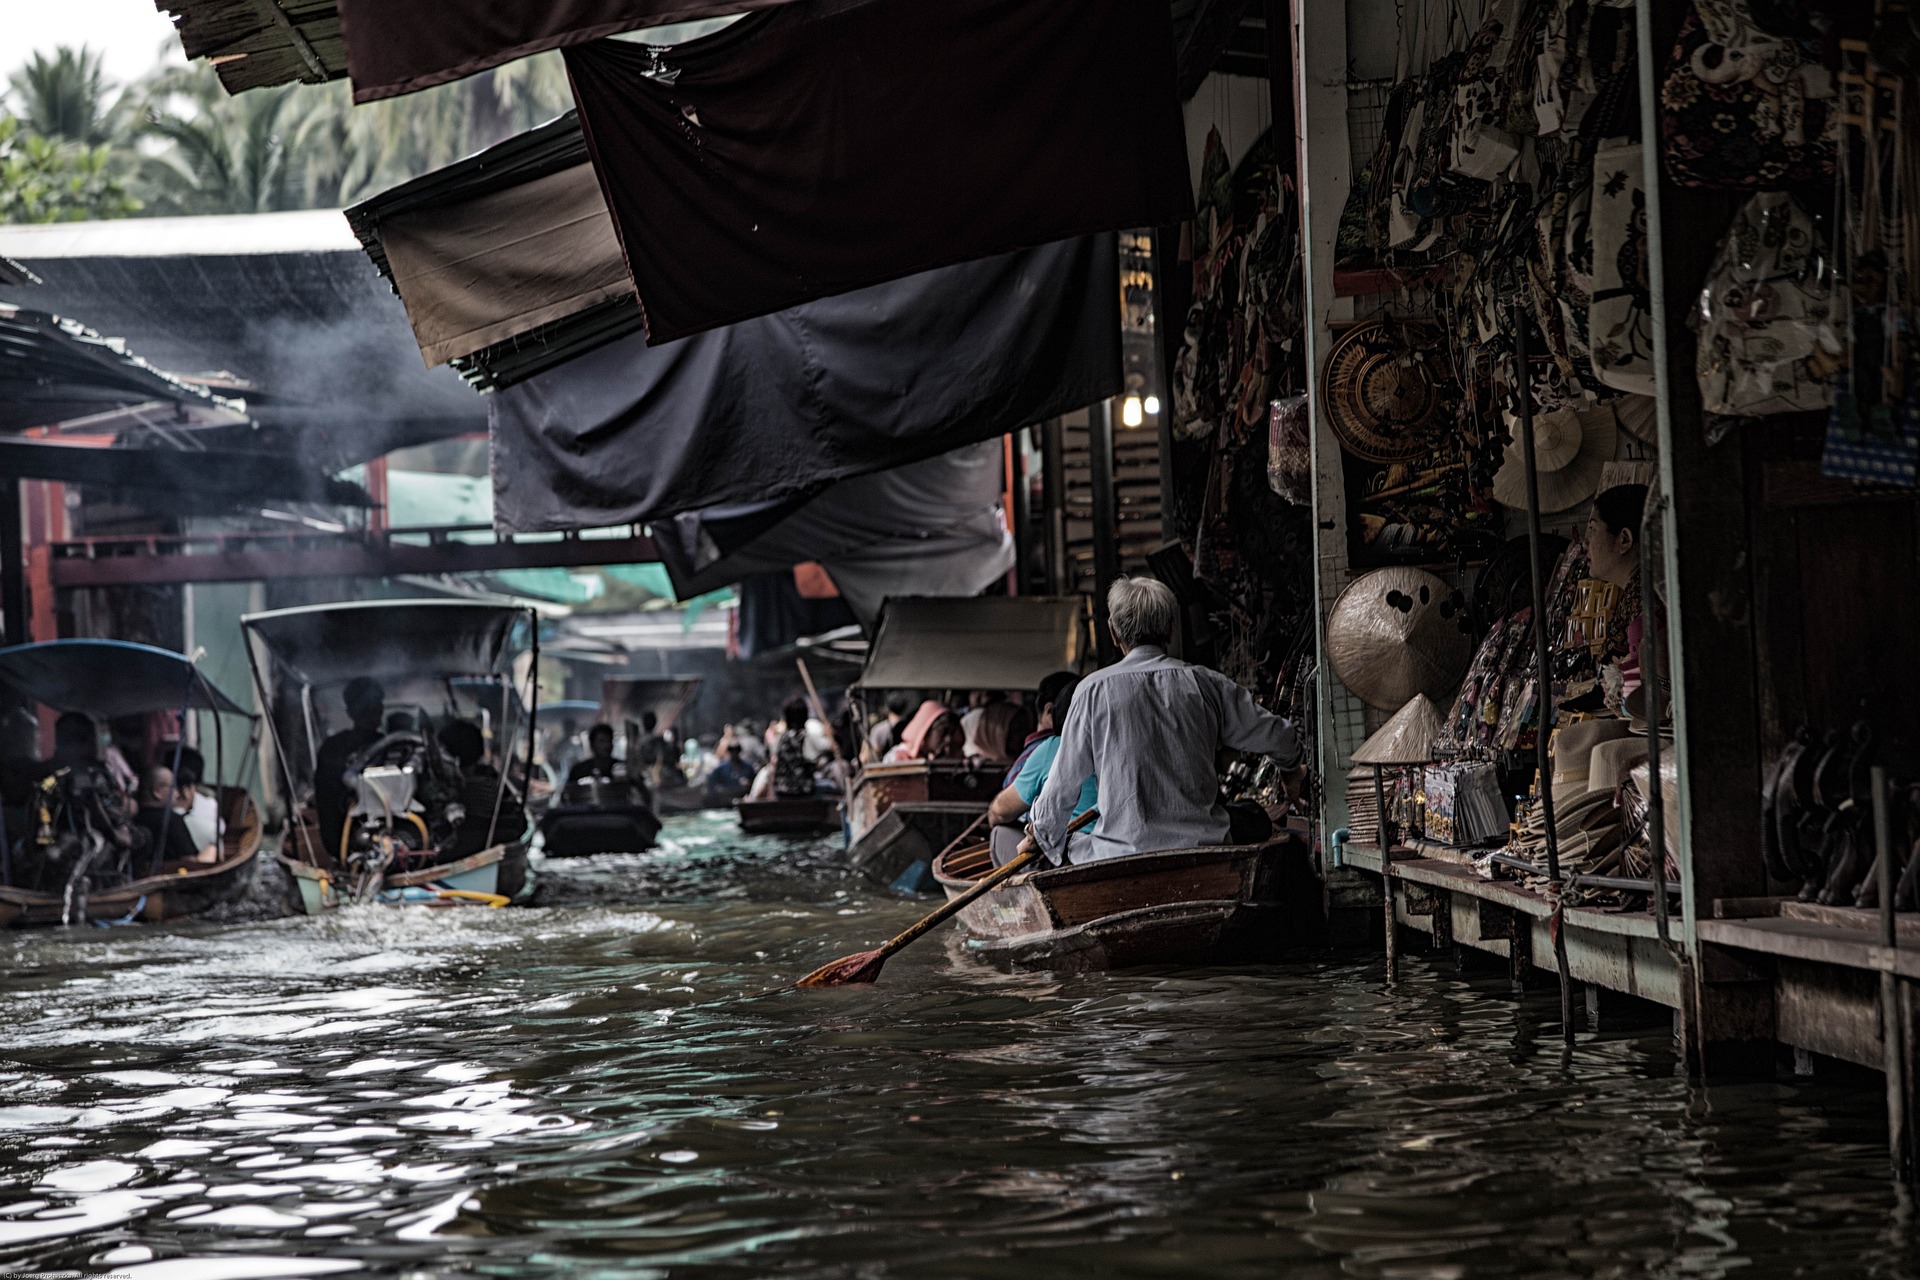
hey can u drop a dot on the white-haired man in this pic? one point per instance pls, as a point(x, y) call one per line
point(1148, 728)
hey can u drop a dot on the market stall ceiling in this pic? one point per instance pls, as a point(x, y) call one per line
point(330, 644)
point(109, 678)
point(988, 642)
point(54, 370)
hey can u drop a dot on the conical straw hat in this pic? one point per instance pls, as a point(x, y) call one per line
point(1397, 632)
point(1406, 739)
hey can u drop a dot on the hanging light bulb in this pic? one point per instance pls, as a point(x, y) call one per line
point(1153, 406)
point(1130, 414)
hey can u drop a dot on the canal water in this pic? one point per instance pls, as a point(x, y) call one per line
point(601, 1086)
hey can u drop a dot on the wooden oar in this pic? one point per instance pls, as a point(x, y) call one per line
point(864, 966)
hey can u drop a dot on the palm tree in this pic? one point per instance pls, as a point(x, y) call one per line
point(221, 154)
point(65, 97)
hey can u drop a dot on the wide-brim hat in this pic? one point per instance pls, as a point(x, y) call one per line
point(1638, 416)
point(1571, 448)
point(1394, 633)
point(1572, 755)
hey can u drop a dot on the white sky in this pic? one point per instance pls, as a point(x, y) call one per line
point(128, 32)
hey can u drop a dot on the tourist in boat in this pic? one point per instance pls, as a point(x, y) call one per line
point(732, 778)
point(1044, 727)
point(885, 734)
point(199, 809)
point(1025, 784)
point(1149, 728)
point(167, 837)
point(998, 732)
point(494, 815)
point(655, 752)
point(934, 733)
point(796, 761)
point(366, 704)
point(616, 784)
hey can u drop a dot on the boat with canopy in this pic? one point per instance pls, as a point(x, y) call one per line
point(902, 813)
point(410, 832)
point(69, 855)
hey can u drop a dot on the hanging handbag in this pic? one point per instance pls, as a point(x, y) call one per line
point(1768, 343)
point(1620, 320)
point(1742, 108)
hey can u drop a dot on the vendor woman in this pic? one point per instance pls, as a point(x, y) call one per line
point(1613, 555)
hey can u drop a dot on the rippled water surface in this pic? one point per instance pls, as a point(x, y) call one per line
point(600, 1087)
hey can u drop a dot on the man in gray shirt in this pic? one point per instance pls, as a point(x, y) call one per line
point(1148, 727)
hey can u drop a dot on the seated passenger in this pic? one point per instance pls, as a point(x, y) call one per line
point(494, 814)
point(998, 733)
point(600, 779)
point(885, 734)
point(366, 704)
point(732, 777)
point(197, 805)
point(167, 838)
point(795, 765)
point(1149, 727)
point(1013, 803)
point(934, 733)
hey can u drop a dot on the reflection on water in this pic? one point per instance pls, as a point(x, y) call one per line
point(602, 1087)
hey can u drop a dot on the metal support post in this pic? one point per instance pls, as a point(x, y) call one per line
point(1106, 520)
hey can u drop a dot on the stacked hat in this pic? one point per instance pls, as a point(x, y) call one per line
point(1570, 448)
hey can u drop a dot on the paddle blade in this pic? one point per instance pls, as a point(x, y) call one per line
point(861, 966)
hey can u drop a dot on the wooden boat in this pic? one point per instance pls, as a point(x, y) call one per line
point(455, 651)
point(175, 891)
point(103, 679)
point(806, 816)
point(497, 873)
point(900, 847)
point(582, 830)
point(1209, 905)
point(1007, 644)
point(879, 787)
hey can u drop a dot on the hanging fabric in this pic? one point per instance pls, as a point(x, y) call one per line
point(395, 48)
point(783, 405)
point(1620, 322)
point(817, 148)
point(1742, 108)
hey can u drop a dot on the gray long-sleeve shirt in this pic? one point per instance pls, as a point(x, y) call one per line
point(1148, 727)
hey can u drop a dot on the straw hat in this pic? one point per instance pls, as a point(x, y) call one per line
point(1406, 739)
point(1394, 633)
point(1381, 394)
point(1572, 753)
point(1637, 417)
point(1611, 760)
point(1570, 446)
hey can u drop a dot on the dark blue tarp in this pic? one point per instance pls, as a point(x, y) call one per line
point(784, 405)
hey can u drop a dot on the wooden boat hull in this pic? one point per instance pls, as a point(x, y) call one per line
point(1213, 905)
point(910, 834)
point(576, 831)
point(807, 816)
point(173, 894)
point(879, 787)
point(500, 871)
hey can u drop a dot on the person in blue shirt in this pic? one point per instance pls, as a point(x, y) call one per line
point(1030, 775)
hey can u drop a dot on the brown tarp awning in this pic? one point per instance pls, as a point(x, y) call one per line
point(819, 147)
point(991, 642)
point(504, 263)
point(398, 46)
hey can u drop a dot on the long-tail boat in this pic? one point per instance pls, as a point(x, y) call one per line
point(63, 857)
